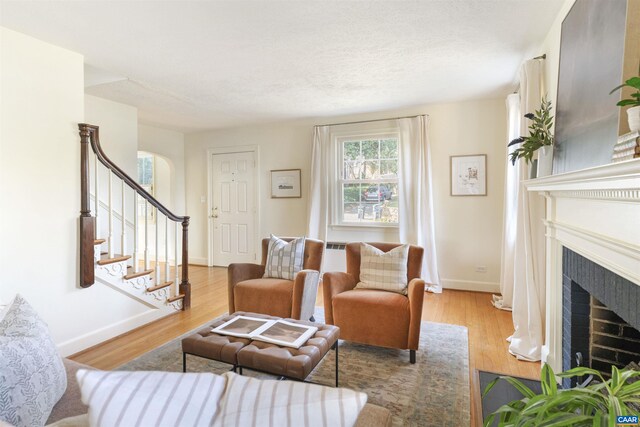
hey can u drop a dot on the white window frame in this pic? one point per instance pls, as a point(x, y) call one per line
point(337, 196)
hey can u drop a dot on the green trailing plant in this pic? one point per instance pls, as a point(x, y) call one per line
point(539, 133)
point(634, 101)
point(597, 404)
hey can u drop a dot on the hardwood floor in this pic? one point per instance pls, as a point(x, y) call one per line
point(488, 327)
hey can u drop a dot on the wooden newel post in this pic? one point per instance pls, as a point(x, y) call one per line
point(185, 286)
point(87, 222)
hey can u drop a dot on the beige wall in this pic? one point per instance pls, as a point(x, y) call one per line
point(468, 229)
point(281, 147)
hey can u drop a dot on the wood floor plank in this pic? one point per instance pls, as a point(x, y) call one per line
point(488, 327)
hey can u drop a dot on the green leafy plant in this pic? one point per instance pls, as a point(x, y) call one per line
point(539, 133)
point(597, 404)
point(633, 82)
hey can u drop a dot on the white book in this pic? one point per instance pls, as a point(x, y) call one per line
point(629, 136)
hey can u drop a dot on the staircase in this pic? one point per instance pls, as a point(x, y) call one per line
point(116, 213)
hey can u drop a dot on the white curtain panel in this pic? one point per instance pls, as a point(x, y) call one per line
point(513, 174)
point(415, 195)
point(529, 267)
point(319, 185)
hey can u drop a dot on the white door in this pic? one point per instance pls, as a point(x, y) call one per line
point(233, 208)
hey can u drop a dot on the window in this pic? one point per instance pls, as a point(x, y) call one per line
point(146, 169)
point(368, 180)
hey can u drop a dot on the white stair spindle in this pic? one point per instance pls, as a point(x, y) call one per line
point(110, 215)
point(175, 245)
point(146, 234)
point(135, 232)
point(157, 254)
point(123, 236)
point(166, 248)
point(97, 196)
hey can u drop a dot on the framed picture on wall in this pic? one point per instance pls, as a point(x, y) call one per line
point(285, 183)
point(469, 175)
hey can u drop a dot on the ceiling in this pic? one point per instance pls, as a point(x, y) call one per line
point(195, 65)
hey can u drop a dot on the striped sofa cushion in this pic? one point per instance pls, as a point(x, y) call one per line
point(284, 260)
point(253, 402)
point(385, 271)
point(119, 398)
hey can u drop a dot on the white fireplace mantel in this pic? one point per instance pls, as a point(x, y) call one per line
point(594, 212)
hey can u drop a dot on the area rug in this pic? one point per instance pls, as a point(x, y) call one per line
point(432, 392)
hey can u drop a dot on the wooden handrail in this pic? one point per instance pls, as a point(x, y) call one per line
point(90, 135)
point(94, 132)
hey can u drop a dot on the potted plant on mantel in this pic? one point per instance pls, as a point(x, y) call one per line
point(633, 113)
point(540, 136)
point(598, 404)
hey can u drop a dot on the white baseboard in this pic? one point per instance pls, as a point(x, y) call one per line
point(90, 339)
point(199, 261)
point(470, 285)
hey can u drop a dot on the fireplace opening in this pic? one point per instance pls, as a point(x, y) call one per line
point(600, 318)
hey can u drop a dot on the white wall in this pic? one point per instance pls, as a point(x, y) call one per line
point(469, 229)
point(42, 102)
point(118, 131)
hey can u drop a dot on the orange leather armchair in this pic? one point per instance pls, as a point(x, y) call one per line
point(376, 317)
point(295, 299)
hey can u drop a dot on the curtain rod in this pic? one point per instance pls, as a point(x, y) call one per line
point(543, 56)
point(375, 120)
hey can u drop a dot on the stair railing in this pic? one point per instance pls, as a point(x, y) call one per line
point(90, 229)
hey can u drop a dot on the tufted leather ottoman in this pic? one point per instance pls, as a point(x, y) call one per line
point(223, 348)
point(290, 362)
point(295, 363)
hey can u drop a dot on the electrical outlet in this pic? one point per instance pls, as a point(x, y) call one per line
point(481, 269)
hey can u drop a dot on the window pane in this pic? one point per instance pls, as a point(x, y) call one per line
point(366, 202)
point(353, 170)
point(370, 149)
point(388, 168)
point(352, 192)
point(351, 150)
point(145, 170)
point(389, 149)
point(371, 169)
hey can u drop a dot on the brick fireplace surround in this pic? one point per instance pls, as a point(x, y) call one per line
point(600, 316)
point(592, 217)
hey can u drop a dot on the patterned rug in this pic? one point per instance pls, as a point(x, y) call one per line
point(433, 392)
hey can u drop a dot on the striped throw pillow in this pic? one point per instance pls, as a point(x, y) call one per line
point(386, 271)
point(120, 398)
point(253, 402)
point(284, 260)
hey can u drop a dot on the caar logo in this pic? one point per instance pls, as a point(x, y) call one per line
point(627, 420)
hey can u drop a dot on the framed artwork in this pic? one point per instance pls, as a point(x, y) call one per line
point(469, 175)
point(285, 183)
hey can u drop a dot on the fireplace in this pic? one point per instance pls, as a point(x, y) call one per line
point(592, 251)
point(599, 316)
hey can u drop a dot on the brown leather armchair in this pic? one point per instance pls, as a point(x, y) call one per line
point(295, 299)
point(375, 317)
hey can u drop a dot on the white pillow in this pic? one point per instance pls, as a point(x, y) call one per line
point(386, 271)
point(253, 402)
point(284, 260)
point(32, 375)
point(141, 398)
